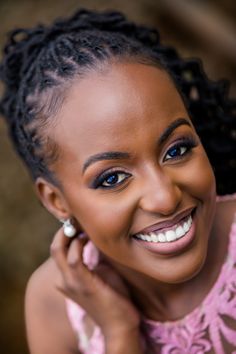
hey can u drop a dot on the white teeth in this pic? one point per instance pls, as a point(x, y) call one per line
point(186, 227)
point(179, 232)
point(190, 221)
point(154, 237)
point(142, 237)
point(161, 238)
point(169, 235)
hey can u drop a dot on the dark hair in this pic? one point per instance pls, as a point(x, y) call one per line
point(39, 63)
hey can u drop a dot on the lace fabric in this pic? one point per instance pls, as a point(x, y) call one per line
point(209, 328)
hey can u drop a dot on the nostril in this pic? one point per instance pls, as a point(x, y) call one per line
point(163, 201)
point(159, 190)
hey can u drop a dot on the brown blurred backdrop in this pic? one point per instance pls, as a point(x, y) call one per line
point(197, 27)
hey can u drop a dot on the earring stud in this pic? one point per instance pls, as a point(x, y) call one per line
point(68, 228)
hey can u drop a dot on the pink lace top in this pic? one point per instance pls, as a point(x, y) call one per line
point(209, 328)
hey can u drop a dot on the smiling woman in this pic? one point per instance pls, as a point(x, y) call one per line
point(135, 181)
point(108, 122)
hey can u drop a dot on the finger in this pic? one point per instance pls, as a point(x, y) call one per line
point(58, 249)
point(110, 276)
point(75, 251)
point(78, 269)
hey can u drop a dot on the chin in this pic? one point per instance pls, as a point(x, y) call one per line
point(183, 269)
point(185, 274)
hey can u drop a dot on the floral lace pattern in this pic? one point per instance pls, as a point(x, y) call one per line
point(204, 330)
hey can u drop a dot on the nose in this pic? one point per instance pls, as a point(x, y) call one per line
point(160, 193)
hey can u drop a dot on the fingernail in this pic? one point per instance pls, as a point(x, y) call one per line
point(82, 235)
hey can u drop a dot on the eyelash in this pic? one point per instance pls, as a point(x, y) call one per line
point(188, 143)
point(98, 182)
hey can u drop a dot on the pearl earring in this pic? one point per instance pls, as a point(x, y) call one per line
point(68, 228)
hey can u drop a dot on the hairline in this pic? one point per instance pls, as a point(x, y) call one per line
point(55, 103)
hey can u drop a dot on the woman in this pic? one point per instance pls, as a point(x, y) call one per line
point(106, 119)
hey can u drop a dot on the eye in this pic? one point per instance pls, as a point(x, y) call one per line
point(180, 149)
point(110, 179)
point(176, 151)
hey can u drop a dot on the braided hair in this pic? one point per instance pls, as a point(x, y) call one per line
point(40, 63)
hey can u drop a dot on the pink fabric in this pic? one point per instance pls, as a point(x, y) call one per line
point(204, 330)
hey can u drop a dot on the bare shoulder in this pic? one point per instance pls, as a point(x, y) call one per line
point(47, 325)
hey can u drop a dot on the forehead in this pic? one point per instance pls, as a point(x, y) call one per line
point(109, 107)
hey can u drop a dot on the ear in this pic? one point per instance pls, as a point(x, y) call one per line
point(52, 198)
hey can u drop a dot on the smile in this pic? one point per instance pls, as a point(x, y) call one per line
point(176, 232)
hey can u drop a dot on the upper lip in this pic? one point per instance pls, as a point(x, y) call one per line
point(167, 223)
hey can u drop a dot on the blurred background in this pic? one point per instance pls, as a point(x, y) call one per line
point(199, 28)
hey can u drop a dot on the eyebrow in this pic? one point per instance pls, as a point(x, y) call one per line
point(171, 127)
point(119, 155)
point(108, 155)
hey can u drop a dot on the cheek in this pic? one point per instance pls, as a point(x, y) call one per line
point(104, 217)
point(199, 176)
point(200, 182)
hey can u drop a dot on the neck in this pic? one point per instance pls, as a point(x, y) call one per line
point(156, 300)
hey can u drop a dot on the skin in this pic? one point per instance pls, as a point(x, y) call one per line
point(126, 107)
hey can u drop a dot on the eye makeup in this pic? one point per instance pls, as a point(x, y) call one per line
point(110, 179)
point(180, 148)
point(116, 177)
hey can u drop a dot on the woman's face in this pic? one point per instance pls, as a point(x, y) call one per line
point(134, 172)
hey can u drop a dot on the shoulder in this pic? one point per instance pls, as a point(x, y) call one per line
point(47, 324)
point(41, 289)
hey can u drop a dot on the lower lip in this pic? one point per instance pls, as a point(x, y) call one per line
point(171, 248)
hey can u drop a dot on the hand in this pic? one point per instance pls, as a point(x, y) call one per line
point(101, 292)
